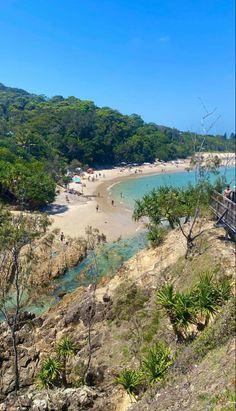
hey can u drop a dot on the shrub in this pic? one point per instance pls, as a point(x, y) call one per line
point(156, 234)
point(209, 295)
point(128, 299)
point(131, 380)
point(49, 373)
point(180, 309)
point(65, 348)
point(156, 362)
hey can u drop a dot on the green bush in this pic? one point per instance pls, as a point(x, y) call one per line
point(179, 308)
point(128, 299)
point(156, 363)
point(49, 373)
point(156, 234)
point(131, 380)
point(209, 295)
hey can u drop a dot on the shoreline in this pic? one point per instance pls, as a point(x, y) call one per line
point(114, 221)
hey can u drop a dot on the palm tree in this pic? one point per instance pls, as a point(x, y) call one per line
point(65, 348)
point(49, 373)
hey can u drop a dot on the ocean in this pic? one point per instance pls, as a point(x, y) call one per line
point(126, 192)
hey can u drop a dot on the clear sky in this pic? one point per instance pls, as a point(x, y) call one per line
point(150, 57)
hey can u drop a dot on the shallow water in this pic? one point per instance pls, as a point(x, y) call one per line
point(135, 189)
point(109, 257)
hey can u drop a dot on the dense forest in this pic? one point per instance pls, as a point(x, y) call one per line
point(40, 136)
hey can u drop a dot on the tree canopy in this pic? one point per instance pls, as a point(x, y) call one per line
point(44, 135)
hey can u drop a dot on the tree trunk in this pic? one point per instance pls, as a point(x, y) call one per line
point(207, 319)
point(15, 320)
point(64, 379)
point(190, 246)
point(179, 335)
point(15, 355)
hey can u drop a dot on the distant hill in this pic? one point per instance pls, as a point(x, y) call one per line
point(78, 129)
point(39, 137)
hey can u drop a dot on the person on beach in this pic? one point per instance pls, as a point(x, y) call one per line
point(227, 192)
point(233, 195)
point(62, 236)
point(112, 202)
point(97, 207)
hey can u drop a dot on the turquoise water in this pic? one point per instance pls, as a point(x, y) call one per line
point(135, 189)
point(109, 258)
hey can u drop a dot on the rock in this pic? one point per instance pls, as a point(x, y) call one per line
point(61, 294)
point(106, 298)
point(40, 405)
point(59, 399)
point(83, 309)
point(95, 376)
point(23, 318)
point(38, 322)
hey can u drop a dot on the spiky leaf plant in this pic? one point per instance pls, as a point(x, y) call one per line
point(131, 380)
point(156, 362)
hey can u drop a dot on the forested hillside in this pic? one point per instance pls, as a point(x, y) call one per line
point(39, 136)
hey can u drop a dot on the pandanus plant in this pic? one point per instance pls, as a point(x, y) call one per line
point(156, 362)
point(65, 348)
point(49, 373)
point(179, 308)
point(209, 295)
point(131, 380)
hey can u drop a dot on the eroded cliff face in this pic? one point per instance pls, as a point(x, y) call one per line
point(110, 316)
point(53, 257)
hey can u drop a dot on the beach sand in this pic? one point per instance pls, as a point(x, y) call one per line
point(114, 221)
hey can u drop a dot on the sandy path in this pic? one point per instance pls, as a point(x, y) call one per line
point(113, 221)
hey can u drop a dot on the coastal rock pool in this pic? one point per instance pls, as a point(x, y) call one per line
point(109, 258)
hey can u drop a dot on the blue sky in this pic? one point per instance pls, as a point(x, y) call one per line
point(151, 57)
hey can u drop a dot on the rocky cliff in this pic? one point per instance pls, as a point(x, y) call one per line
point(113, 322)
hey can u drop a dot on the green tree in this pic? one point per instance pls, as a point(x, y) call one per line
point(178, 206)
point(18, 239)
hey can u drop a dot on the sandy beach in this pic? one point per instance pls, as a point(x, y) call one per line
point(72, 213)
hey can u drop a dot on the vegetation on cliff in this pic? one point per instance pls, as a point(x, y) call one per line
point(40, 136)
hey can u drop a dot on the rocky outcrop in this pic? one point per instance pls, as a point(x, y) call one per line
point(55, 400)
point(53, 258)
point(89, 319)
